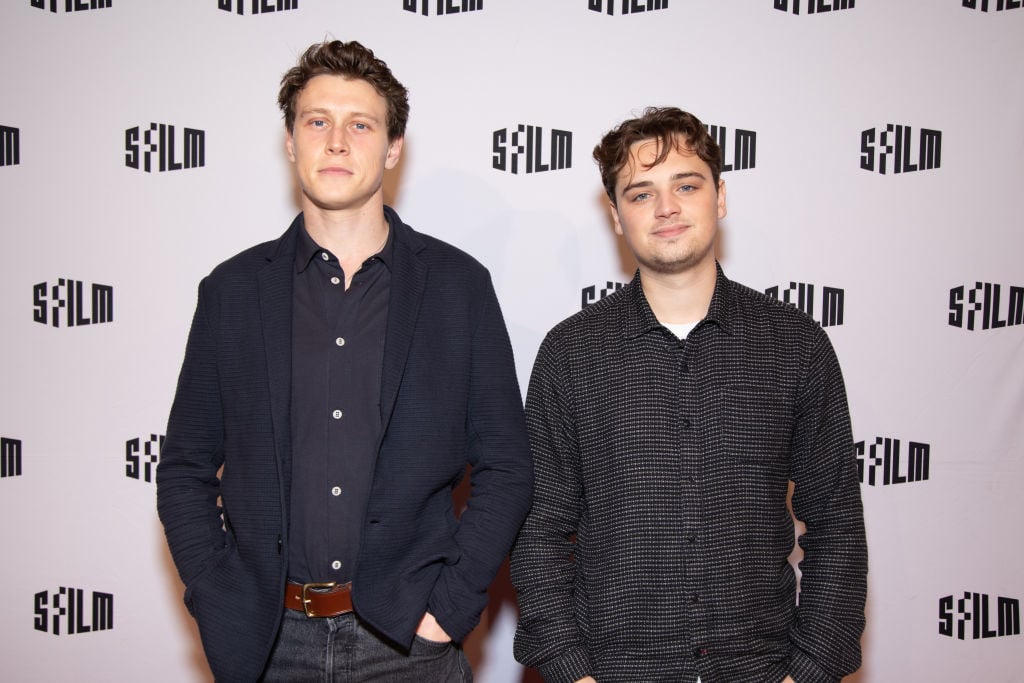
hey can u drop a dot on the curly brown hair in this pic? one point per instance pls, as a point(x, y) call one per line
point(353, 61)
point(672, 128)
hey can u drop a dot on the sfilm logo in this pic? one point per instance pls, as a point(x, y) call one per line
point(157, 143)
point(69, 296)
point(526, 144)
point(976, 609)
point(628, 6)
point(814, 6)
point(801, 295)
point(984, 298)
point(744, 146)
point(443, 6)
point(1000, 4)
point(67, 606)
point(884, 455)
point(258, 6)
point(141, 457)
point(10, 146)
point(895, 143)
point(10, 457)
point(73, 5)
point(592, 293)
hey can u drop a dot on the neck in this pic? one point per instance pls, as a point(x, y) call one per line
point(680, 298)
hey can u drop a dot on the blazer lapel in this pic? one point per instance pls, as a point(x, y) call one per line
point(275, 300)
point(408, 283)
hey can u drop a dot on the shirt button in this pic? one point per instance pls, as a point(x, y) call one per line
point(336, 414)
point(340, 341)
point(335, 280)
point(336, 564)
point(336, 491)
point(686, 423)
point(686, 367)
point(324, 256)
point(691, 539)
point(700, 652)
point(695, 598)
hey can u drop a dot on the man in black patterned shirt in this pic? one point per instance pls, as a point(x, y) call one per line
point(667, 422)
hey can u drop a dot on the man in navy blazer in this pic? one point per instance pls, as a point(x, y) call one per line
point(336, 383)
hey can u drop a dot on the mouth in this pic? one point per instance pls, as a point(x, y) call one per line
point(335, 171)
point(669, 231)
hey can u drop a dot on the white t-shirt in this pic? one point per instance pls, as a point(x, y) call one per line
point(681, 330)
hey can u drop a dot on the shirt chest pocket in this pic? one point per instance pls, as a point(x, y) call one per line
point(755, 424)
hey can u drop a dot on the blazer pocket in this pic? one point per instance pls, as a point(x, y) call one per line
point(212, 565)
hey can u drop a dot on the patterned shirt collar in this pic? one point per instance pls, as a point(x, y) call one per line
point(639, 318)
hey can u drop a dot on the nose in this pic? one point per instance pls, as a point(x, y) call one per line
point(666, 205)
point(336, 141)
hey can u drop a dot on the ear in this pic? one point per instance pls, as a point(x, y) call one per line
point(615, 217)
point(289, 145)
point(394, 153)
point(721, 199)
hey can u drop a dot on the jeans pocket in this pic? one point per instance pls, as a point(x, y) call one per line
point(424, 647)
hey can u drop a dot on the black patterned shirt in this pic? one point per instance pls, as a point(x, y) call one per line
point(657, 545)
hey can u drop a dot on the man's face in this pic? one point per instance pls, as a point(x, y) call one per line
point(668, 214)
point(339, 144)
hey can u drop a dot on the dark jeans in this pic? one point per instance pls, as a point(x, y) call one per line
point(342, 650)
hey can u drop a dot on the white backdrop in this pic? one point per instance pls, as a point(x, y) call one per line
point(78, 74)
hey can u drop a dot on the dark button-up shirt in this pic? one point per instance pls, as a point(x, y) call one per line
point(657, 545)
point(337, 354)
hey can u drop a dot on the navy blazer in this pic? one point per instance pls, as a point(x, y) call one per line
point(449, 396)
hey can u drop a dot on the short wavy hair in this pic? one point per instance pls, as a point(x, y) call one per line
point(671, 128)
point(353, 61)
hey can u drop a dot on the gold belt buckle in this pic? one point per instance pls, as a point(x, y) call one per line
point(305, 599)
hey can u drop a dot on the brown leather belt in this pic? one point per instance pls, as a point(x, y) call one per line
point(319, 599)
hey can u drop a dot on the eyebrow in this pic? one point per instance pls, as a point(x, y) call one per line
point(324, 111)
point(677, 176)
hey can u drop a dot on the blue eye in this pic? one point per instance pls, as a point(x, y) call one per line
point(640, 197)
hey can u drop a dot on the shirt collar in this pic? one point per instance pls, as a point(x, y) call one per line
point(722, 309)
point(640, 318)
point(386, 254)
point(306, 248)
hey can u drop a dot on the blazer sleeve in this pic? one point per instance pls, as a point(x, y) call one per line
point(186, 479)
point(501, 474)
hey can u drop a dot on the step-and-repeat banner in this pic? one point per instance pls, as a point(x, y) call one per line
point(873, 156)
